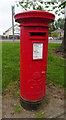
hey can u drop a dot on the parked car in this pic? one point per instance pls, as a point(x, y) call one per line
point(50, 38)
point(60, 38)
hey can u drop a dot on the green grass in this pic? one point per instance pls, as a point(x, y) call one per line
point(0, 67)
point(55, 71)
point(17, 108)
point(39, 115)
point(11, 65)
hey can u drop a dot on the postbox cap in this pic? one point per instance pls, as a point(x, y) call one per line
point(35, 14)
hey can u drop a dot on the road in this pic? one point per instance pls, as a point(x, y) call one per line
point(55, 41)
point(50, 41)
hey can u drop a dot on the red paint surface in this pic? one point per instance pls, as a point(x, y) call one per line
point(33, 72)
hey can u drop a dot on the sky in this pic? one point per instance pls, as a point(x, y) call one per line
point(6, 14)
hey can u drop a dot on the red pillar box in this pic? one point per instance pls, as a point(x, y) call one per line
point(33, 55)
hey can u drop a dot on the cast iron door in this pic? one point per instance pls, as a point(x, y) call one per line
point(34, 46)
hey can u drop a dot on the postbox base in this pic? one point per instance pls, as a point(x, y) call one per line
point(30, 105)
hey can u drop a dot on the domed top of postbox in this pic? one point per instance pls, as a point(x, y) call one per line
point(34, 16)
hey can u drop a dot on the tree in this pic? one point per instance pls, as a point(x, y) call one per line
point(55, 34)
point(57, 6)
point(59, 23)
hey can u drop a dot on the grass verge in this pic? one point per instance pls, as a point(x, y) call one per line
point(0, 68)
point(11, 66)
point(55, 68)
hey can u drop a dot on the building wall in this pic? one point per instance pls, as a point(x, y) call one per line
point(9, 32)
point(60, 32)
point(16, 31)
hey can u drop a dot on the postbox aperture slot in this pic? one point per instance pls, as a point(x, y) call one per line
point(40, 34)
point(37, 35)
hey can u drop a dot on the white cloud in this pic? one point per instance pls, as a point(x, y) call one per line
point(5, 14)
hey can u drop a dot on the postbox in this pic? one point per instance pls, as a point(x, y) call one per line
point(34, 28)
